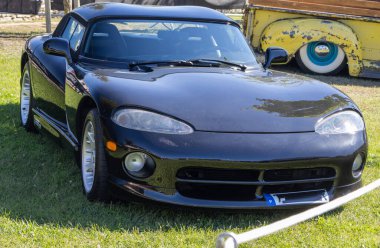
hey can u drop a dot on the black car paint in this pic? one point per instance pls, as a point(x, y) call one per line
point(279, 103)
point(285, 109)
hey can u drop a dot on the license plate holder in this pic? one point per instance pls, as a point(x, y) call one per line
point(297, 198)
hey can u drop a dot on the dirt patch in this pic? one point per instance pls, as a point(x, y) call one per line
point(24, 29)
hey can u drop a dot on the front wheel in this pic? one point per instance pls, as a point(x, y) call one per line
point(26, 100)
point(93, 162)
point(321, 58)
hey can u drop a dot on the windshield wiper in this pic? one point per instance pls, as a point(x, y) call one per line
point(240, 66)
point(196, 62)
point(142, 66)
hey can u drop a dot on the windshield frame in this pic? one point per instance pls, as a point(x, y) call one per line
point(82, 58)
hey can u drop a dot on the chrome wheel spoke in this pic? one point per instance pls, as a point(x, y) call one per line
point(88, 156)
point(25, 97)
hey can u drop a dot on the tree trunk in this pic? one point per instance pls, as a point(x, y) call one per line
point(67, 6)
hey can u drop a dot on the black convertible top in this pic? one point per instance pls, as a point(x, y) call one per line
point(110, 10)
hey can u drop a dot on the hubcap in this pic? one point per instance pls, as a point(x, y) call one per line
point(88, 156)
point(322, 53)
point(322, 50)
point(25, 97)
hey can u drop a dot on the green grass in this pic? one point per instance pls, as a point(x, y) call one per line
point(41, 203)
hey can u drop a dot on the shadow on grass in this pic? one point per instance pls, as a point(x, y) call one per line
point(40, 182)
point(342, 78)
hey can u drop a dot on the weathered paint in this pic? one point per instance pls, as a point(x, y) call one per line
point(292, 34)
point(365, 30)
point(368, 34)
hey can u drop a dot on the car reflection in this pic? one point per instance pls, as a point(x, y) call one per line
point(302, 108)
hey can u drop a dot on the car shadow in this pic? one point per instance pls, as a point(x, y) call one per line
point(342, 78)
point(40, 182)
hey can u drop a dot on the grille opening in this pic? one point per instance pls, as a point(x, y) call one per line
point(298, 174)
point(220, 191)
point(217, 192)
point(218, 174)
point(295, 187)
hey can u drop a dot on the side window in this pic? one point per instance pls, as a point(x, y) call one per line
point(69, 30)
point(73, 33)
point(76, 38)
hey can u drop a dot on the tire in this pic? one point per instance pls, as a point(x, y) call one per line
point(321, 57)
point(94, 167)
point(26, 100)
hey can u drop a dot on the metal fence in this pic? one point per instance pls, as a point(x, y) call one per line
point(216, 4)
point(58, 4)
point(31, 6)
point(20, 6)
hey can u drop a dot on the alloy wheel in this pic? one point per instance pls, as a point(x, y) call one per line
point(88, 156)
point(25, 97)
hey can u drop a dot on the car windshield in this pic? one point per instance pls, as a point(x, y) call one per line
point(139, 41)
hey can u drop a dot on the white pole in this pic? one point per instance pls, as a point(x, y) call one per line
point(48, 16)
point(76, 3)
point(229, 239)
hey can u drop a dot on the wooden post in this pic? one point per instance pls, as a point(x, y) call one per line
point(48, 16)
point(76, 3)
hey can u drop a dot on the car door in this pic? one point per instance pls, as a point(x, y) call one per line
point(49, 74)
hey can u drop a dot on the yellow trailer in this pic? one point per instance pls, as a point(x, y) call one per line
point(324, 36)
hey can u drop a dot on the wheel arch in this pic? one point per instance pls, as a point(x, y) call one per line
point(24, 60)
point(292, 34)
point(84, 106)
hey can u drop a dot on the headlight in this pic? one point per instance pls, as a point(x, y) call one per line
point(142, 120)
point(343, 122)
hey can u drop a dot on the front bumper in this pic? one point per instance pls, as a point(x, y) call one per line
point(255, 164)
point(174, 198)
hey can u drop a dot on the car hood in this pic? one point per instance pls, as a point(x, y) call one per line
point(220, 99)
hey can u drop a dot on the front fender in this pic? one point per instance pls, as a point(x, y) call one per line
point(76, 93)
point(292, 34)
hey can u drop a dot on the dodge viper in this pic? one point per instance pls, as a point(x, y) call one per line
point(170, 105)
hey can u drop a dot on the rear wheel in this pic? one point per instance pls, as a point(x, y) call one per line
point(26, 100)
point(321, 57)
point(93, 163)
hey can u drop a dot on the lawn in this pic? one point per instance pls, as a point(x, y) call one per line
point(41, 202)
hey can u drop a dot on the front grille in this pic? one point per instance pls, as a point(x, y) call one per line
point(218, 174)
point(248, 185)
point(295, 187)
point(298, 174)
point(217, 192)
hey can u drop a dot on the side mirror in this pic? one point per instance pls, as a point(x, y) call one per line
point(275, 55)
point(58, 47)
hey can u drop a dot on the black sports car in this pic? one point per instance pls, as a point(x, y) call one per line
point(170, 104)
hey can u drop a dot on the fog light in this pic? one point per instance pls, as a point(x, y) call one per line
point(357, 165)
point(134, 162)
point(139, 164)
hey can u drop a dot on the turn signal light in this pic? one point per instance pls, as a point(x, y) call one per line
point(111, 146)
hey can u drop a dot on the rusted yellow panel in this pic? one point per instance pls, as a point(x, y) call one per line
point(262, 18)
point(292, 34)
point(360, 39)
point(368, 34)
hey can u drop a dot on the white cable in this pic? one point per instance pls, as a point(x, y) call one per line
point(230, 239)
